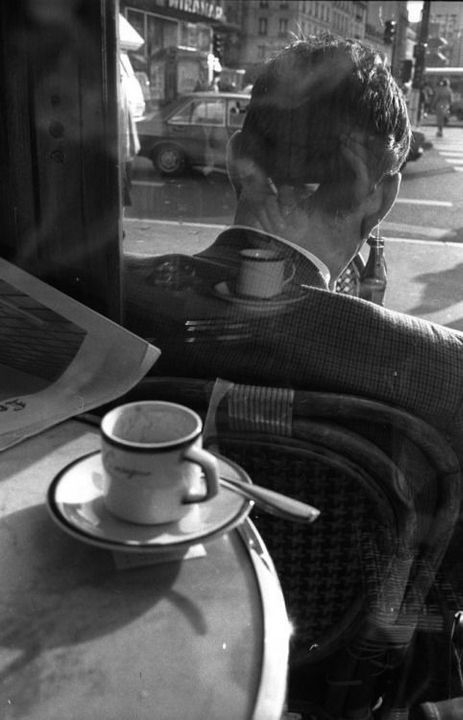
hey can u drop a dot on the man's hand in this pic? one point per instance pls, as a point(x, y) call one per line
point(285, 211)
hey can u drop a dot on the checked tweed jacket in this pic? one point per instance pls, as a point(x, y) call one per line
point(324, 341)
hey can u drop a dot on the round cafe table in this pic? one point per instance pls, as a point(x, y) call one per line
point(87, 636)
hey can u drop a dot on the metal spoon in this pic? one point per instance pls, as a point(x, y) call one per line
point(273, 502)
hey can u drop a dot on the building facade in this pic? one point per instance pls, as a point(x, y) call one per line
point(177, 54)
point(269, 25)
point(378, 14)
point(446, 22)
point(187, 41)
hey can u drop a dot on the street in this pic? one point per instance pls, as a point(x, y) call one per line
point(424, 231)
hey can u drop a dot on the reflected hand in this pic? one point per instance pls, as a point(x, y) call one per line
point(284, 211)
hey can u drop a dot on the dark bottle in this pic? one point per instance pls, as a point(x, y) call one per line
point(374, 277)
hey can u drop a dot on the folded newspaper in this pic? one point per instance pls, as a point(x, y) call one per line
point(58, 358)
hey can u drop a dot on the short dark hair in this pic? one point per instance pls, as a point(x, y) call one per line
point(313, 94)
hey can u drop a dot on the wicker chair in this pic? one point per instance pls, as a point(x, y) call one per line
point(356, 581)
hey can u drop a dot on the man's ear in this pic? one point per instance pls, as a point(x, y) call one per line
point(379, 202)
point(256, 194)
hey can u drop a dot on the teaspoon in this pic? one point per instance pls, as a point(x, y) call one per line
point(273, 502)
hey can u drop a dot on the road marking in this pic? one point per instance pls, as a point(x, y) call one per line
point(417, 241)
point(434, 235)
point(410, 201)
point(452, 153)
point(418, 201)
point(431, 232)
point(152, 183)
point(178, 223)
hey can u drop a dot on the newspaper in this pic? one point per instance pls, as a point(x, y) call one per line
point(58, 358)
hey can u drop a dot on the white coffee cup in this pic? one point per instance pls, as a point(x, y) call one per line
point(262, 273)
point(154, 462)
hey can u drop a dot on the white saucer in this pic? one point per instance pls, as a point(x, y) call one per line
point(75, 502)
point(292, 295)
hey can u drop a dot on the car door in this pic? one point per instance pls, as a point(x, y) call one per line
point(180, 129)
point(208, 121)
point(199, 127)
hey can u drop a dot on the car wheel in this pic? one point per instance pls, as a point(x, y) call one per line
point(169, 160)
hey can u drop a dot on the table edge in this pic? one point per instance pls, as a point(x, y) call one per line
point(271, 693)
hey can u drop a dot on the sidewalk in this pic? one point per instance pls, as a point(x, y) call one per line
point(424, 277)
point(428, 125)
point(157, 237)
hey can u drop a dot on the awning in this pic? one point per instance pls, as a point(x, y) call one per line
point(129, 38)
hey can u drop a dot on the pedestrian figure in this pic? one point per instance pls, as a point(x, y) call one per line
point(427, 94)
point(129, 143)
point(442, 102)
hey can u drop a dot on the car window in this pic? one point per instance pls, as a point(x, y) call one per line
point(236, 112)
point(182, 116)
point(209, 112)
point(200, 112)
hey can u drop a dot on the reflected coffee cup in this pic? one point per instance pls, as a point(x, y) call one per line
point(263, 273)
point(154, 464)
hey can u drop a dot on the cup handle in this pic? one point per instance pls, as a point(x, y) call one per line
point(291, 275)
point(211, 471)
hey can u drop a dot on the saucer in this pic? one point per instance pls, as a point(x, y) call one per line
point(295, 294)
point(75, 502)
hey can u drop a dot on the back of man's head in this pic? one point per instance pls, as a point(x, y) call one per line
point(312, 97)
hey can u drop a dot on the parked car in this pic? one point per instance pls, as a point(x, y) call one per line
point(193, 130)
point(416, 146)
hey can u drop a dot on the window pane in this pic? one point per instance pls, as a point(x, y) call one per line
point(183, 115)
point(211, 112)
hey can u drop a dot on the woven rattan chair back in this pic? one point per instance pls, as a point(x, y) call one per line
point(333, 572)
point(355, 582)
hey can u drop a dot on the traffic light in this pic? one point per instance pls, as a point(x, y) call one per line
point(218, 43)
point(389, 32)
point(406, 71)
point(419, 53)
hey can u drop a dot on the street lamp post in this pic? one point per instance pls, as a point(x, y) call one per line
point(420, 61)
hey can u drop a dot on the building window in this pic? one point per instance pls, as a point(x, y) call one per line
point(261, 51)
point(284, 5)
point(283, 28)
point(263, 26)
point(263, 4)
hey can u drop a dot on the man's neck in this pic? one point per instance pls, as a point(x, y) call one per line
point(322, 241)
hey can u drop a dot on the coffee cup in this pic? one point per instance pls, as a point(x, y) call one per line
point(262, 273)
point(154, 464)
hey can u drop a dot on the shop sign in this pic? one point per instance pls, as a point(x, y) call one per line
point(206, 8)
